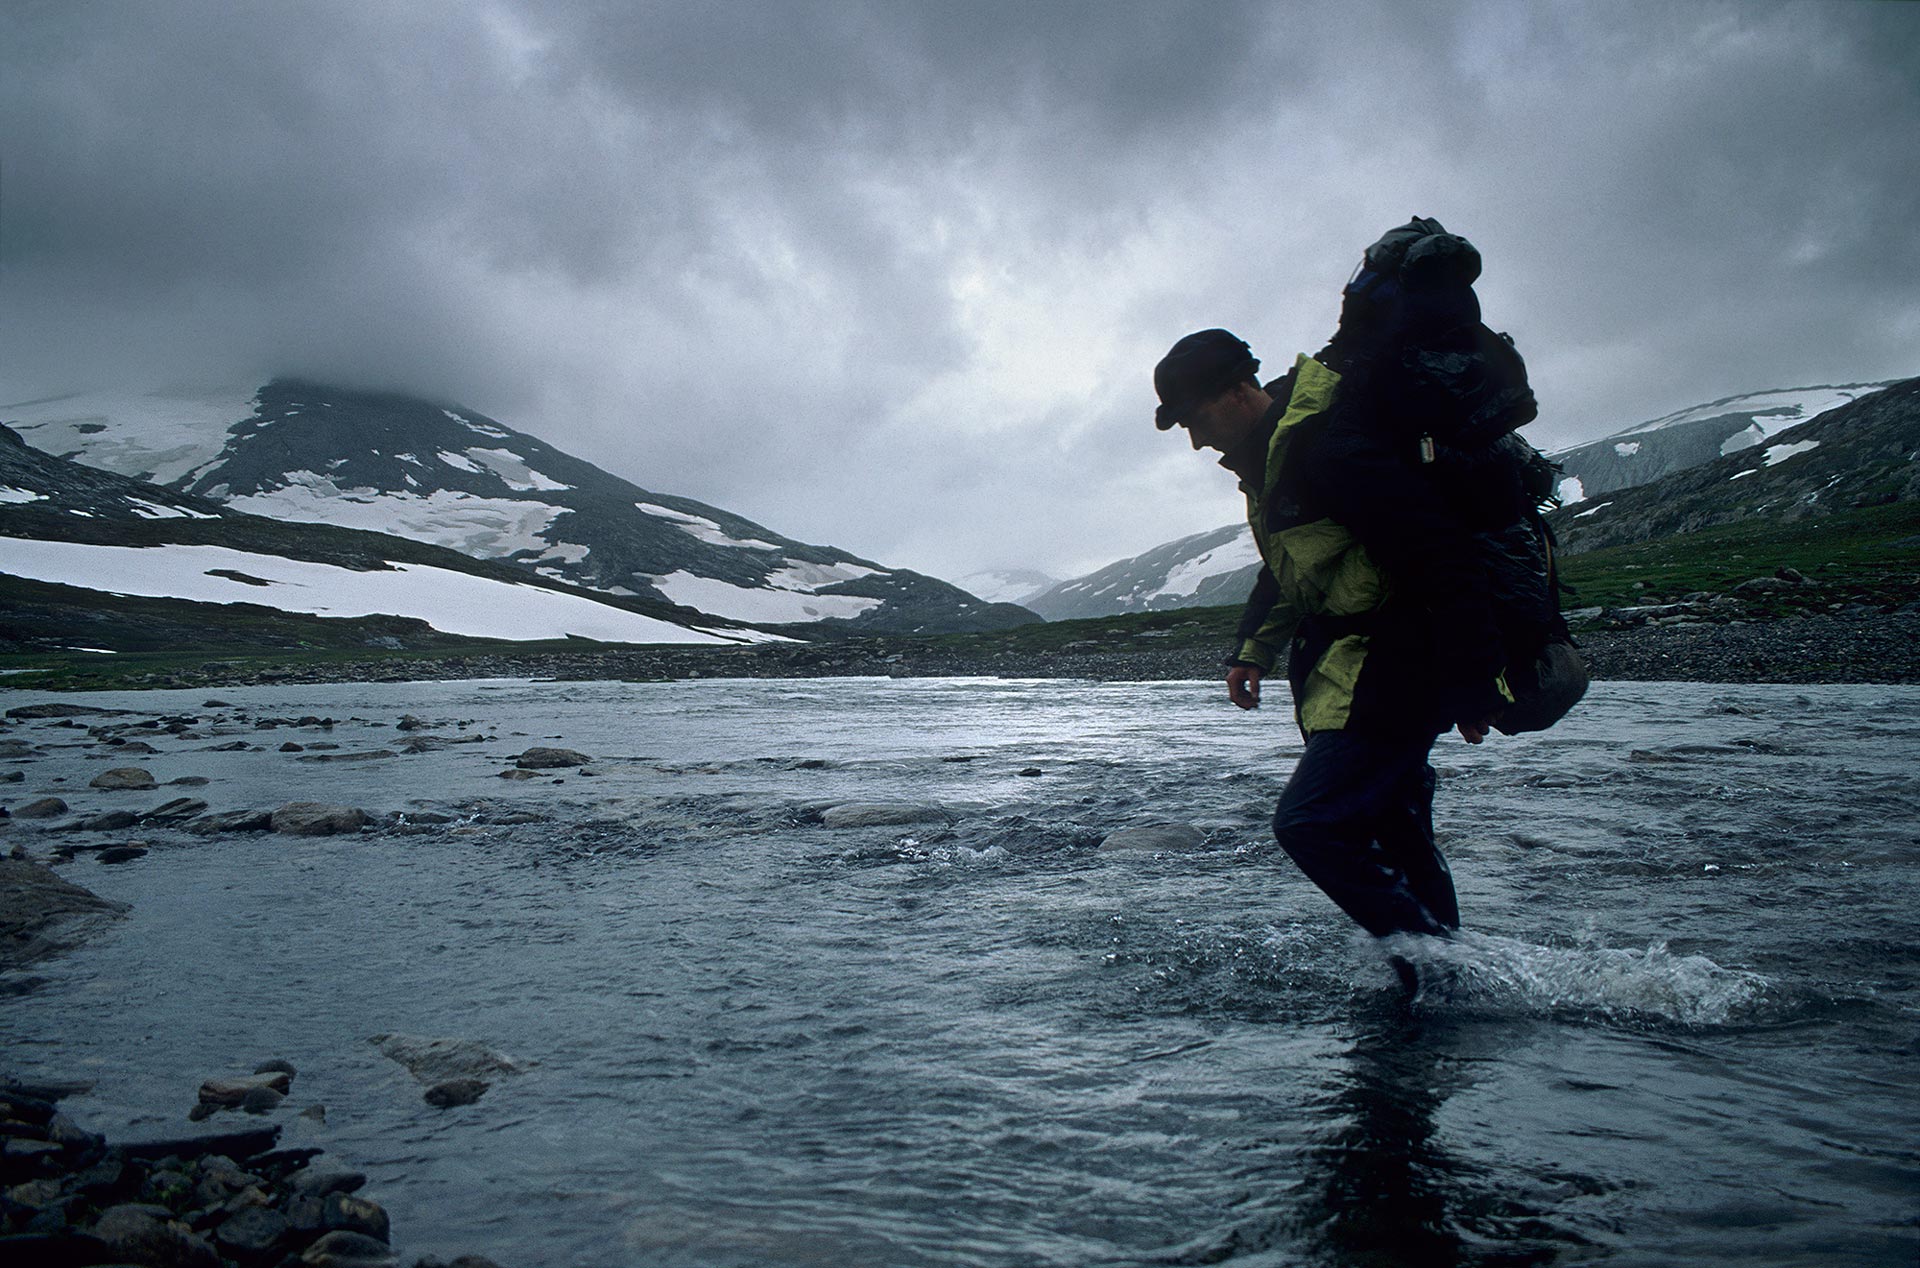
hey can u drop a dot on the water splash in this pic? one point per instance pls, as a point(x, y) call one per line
point(1486, 973)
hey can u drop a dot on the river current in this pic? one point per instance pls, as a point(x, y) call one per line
point(766, 1027)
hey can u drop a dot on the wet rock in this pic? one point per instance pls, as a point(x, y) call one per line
point(435, 1060)
point(318, 1184)
point(177, 811)
point(316, 819)
point(276, 1065)
point(451, 1092)
point(261, 1100)
point(369, 755)
point(550, 759)
point(864, 814)
point(232, 821)
point(232, 746)
point(12, 776)
point(355, 1215)
point(235, 1091)
point(57, 710)
point(408, 722)
point(291, 747)
point(15, 748)
point(1030, 771)
point(1154, 837)
point(254, 1233)
point(190, 781)
point(124, 778)
point(111, 821)
point(43, 808)
point(343, 1249)
point(121, 853)
point(145, 1234)
point(41, 912)
point(516, 773)
point(132, 746)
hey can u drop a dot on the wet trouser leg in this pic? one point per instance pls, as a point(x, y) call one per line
point(1357, 818)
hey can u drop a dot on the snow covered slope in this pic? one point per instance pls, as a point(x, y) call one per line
point(1686, 438)
point(1007, 585)
point(435, 472)
point(1203, 570)
point(90, 531)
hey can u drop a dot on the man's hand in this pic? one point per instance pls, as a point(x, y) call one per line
point(1243, 686)
point(1474, 732)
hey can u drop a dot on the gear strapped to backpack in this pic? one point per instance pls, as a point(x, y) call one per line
point(1412, 345)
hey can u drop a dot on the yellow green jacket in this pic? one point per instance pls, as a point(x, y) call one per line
point(1361, 652)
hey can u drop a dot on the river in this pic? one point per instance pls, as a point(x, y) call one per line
point(1682, 1026)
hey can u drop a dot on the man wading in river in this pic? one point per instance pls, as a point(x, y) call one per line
point(1372, 594)
point(1409, 579)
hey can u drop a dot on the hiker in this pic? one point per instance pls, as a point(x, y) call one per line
point(1409, 581)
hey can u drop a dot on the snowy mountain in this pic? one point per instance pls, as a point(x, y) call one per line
point(1007, 585)
point(437, 473)
point(1862, 454)
point(1203, 570)
point(77, 543)
point(1686, 438)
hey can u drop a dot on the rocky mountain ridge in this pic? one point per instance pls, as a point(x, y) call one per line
point(442, 474)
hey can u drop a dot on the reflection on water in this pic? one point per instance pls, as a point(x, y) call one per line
point(953, 1030)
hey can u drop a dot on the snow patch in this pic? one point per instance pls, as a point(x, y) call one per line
point(1738, 474)
point(461, 462)
point(160, 436)
point(155, 511)
point(1780, 453)
point(453, 602)
point(514, 471)
point(756, 604)
point(1746, 438)
point(474, 525)
point(1185, 577)
point(703, 528)
point(10, 494)
point(1571, 491)
point(1627, 448)
point(1592, 510)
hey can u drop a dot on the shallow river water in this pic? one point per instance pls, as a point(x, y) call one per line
point(1683, 1026)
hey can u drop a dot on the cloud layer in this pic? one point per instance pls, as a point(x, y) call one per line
point(893, 276)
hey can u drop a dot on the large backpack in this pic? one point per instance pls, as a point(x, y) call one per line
point(1412, 344)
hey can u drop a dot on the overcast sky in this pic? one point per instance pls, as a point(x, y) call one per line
point(893, 276)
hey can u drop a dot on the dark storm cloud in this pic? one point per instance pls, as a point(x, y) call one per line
point(861, 270)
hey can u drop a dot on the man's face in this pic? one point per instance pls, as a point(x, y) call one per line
point(1221, 422)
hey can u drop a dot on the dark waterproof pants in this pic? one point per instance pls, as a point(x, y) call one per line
point(1357, 817)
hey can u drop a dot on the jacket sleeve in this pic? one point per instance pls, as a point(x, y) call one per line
point(1266, 625)
point(1393, 508)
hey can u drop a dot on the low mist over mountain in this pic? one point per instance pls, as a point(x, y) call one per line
point(1859, 455)
point(437, 473)
point(1686, 438)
